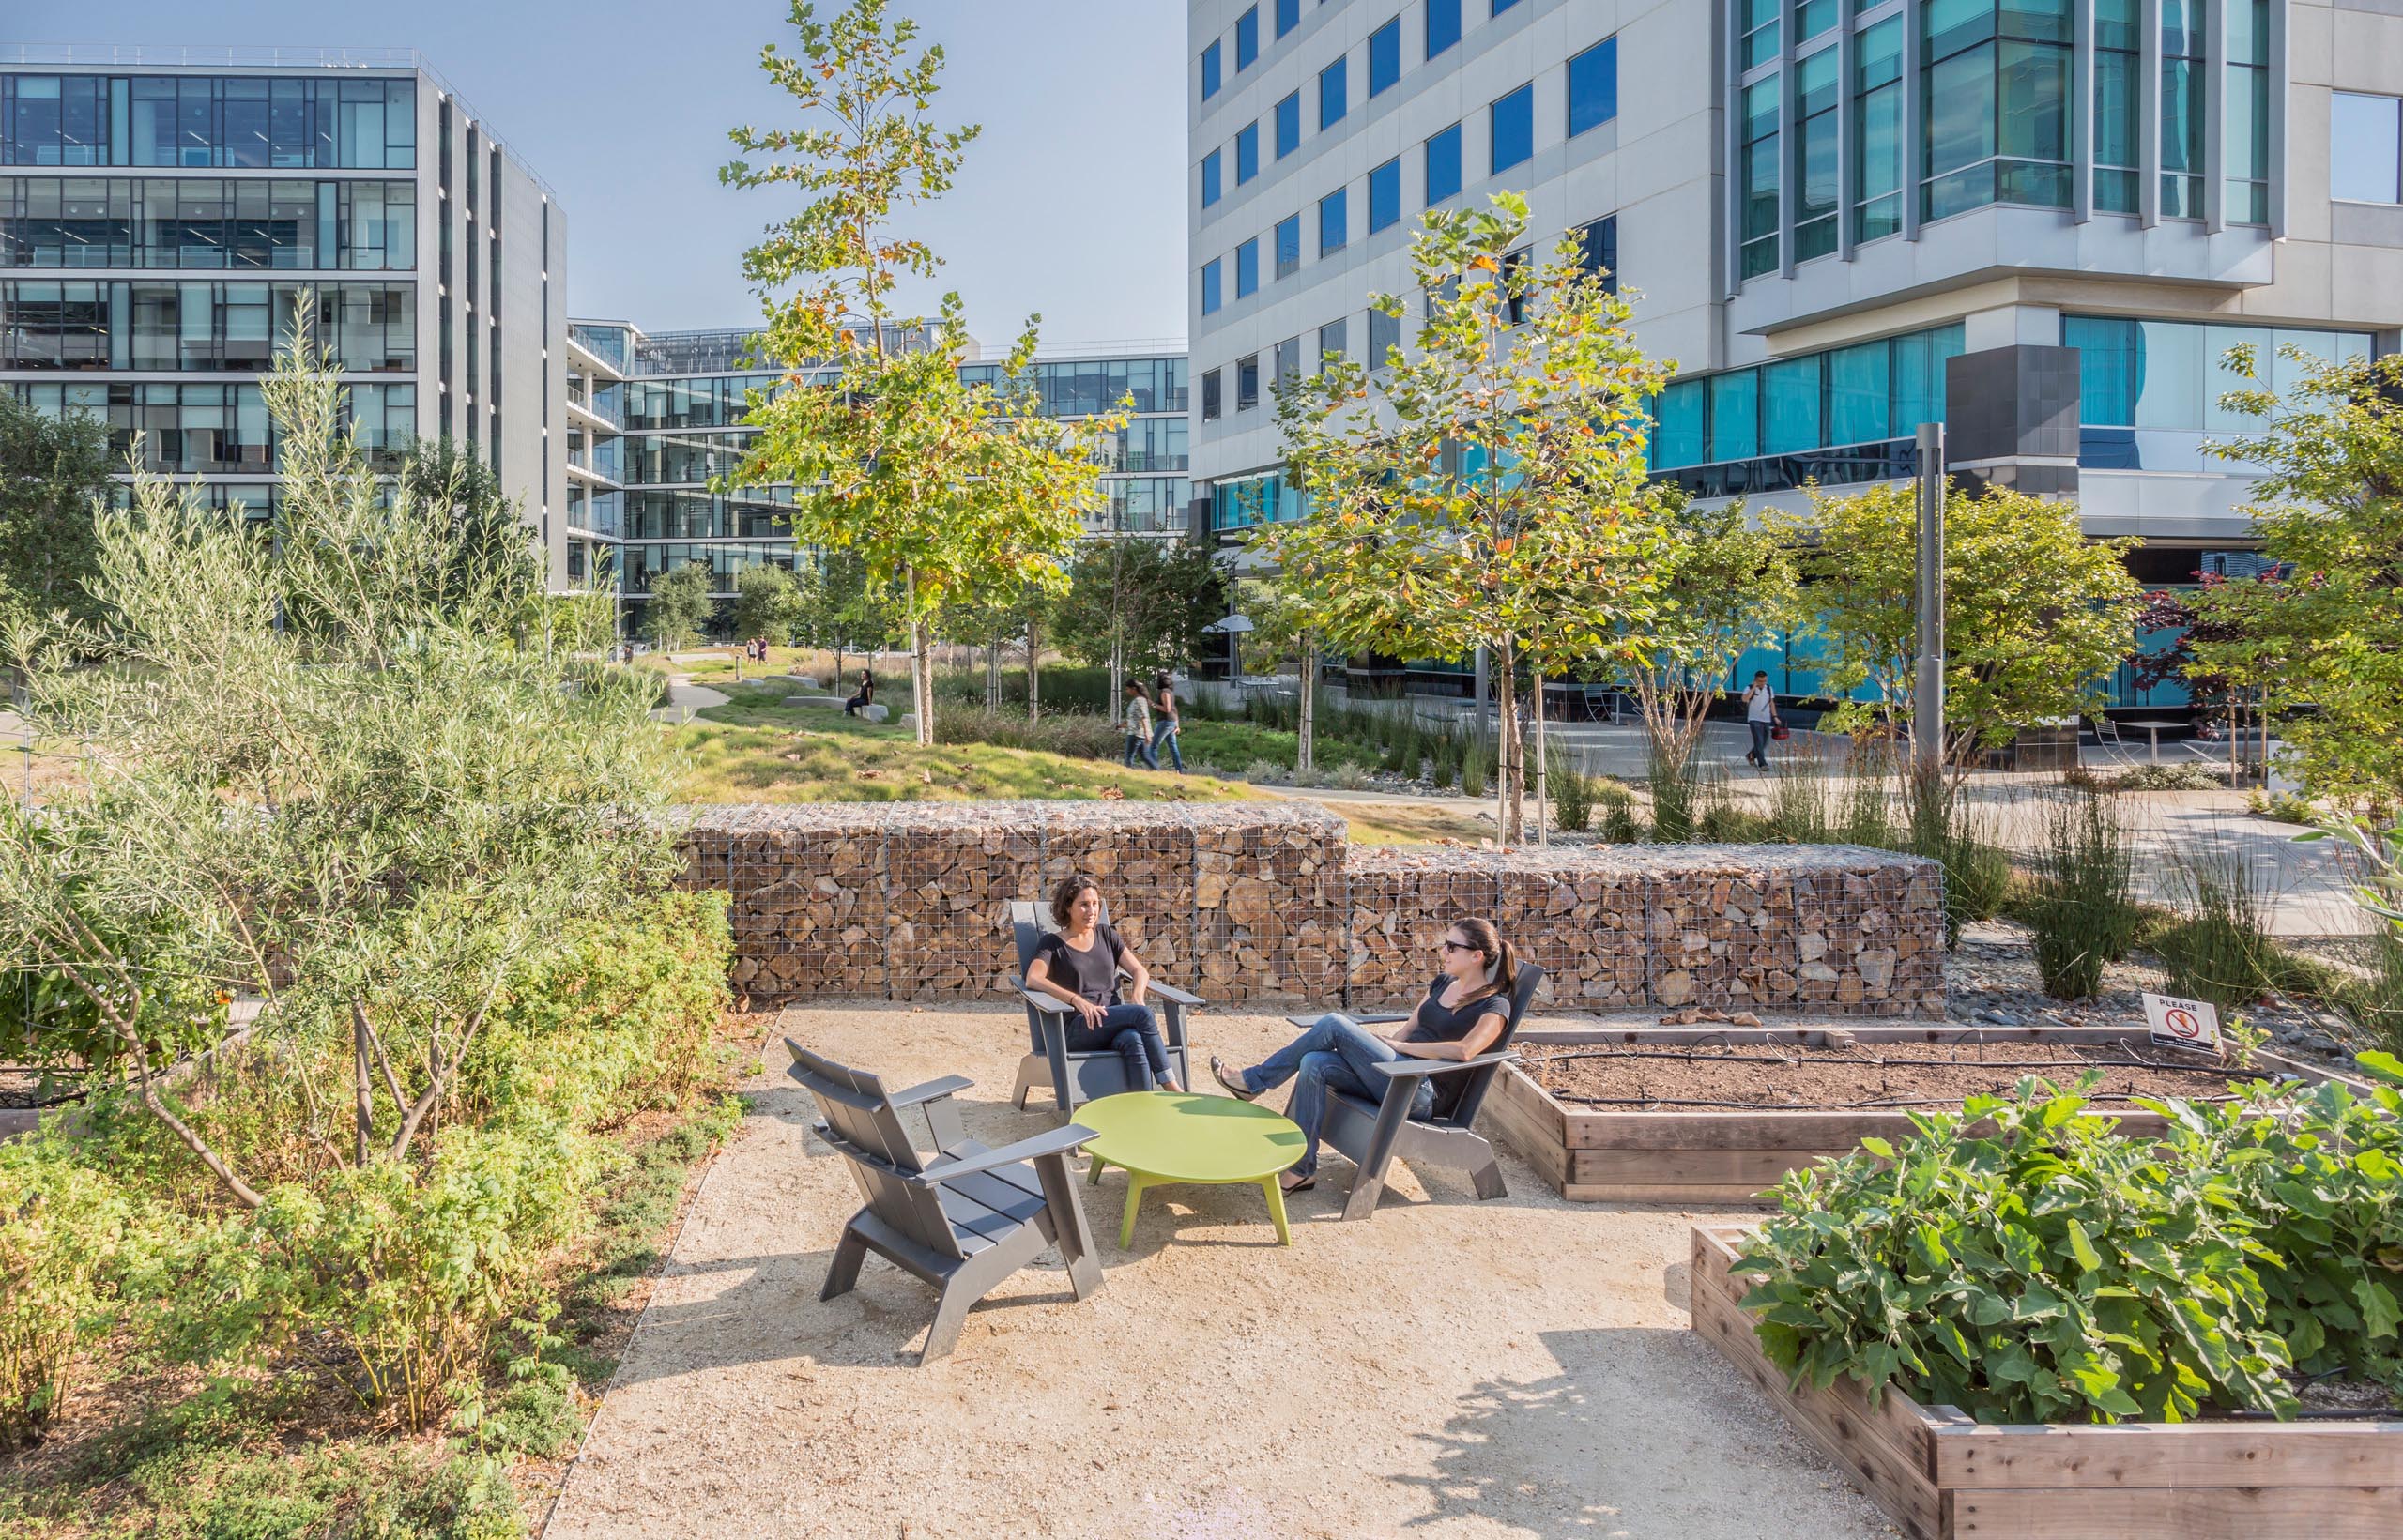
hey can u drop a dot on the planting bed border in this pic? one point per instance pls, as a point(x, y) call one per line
point(1943, 1475)
point(1685, 1156)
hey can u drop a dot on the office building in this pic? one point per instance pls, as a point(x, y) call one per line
point(1821, 206)
point(164, 210)
point(654, 417)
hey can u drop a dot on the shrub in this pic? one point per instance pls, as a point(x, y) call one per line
point(1677, 796)
point(1264, 773)
point(2084, 911)
point(1573, 797)
point(2187, 776)
point(1724, 823)
point(1350, 777)
point(2375, 1002)
point(1618, 814)
point(2219, 950)
point(1444, 763)
point(1477, 770)
point(62, 1228)
point(1080, 735)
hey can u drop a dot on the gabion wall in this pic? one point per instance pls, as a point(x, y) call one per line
point(1269, 901)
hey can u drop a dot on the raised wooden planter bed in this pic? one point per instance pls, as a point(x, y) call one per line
point(1945, 1476)
point(1691, 1157)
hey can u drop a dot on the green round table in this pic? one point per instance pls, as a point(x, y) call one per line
point(1160, 1138)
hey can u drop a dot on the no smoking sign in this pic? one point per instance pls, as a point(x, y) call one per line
point(2182, 1023)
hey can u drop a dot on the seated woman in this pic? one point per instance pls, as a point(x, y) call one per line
point(866, 695)
point(1466, 1008)
point(1079, 963)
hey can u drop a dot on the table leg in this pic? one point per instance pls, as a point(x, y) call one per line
point(1133, 1199)
point(2155, 735)
point(1095, 1179)
point(1276, 1191)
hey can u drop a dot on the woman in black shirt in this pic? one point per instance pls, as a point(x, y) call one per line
point(1463, 1014)
point(866, 695)
point(1079, 963)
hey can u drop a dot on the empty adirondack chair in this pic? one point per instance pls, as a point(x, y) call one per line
point(963, 1221)
point(1374, 1133)
point(1076, 1078)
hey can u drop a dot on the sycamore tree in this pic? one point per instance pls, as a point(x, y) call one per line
point(1136, 604)
point(679, 605)
point(2328, 633)
point(1487, 488)
point(948, 490)
point(2036, 616)
point(768, 601)
point(1279, 609)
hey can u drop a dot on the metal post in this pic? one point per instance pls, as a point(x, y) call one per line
point(1927, 702)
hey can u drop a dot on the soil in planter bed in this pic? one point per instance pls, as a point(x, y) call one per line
point(1637, 1076)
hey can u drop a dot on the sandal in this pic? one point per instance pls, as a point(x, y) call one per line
point(1233, 1084)
point(1302, 1186)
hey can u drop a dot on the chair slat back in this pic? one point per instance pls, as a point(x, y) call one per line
point(1463, 1111)
point(1029, 918)
point(865, 1127)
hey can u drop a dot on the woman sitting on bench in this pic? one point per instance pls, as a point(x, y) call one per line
point(1079, 963)
point(1466, 1008)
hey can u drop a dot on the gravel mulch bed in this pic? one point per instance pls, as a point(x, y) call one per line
point(1889, 1076)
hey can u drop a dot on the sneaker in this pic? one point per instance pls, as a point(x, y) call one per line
point(1233, 1083)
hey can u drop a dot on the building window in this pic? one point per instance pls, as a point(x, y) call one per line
point(1210, 178)
point(2244, 146)
point(2183, 45)
point(1209, 70)
point(1444, 165)
point(1878, 130)
point(1247, 39)
point(1996, 93)
point(2118, 103)
point(1289, 16)
point(1333, 93)
point(1598, 252)
point(1514, 128)
point(1289, 360)
point(1501, 6)
point(1248, 267)
point(1211, 405)
point(1760, 32)
point(1333, 222)
point(1443, 26)
point(1247, 152)
point(1335, 340)
point(2365, 148)
point(1818, 92)
point(1210, 295)
point(1289, 125)
point(1385, 335)
point(1593, 87)
point(1757, 190)
point(1385, 57)
point(1507, 286)
point(2167, 374)
point(1811, 18)
point(1384, 195)
point(1248, 384)
point(1288, 247)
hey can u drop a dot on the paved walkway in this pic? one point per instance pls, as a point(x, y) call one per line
point(1449, 1368)
point(687, 700)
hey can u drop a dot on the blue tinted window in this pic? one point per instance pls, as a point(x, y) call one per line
point(1857, 391)
point(1289, 16)
point(1384, 55)
point(1790, 391)
point(1444, 165)
point(1334, 220)
point(1334, 92)
point(1211, 297)
point(1288, 246)
point(1209, 70)
point(1210, 179)
point(1501, 6)
point(1593, 86)
point(1736, 415)
point(1384, 195)
point(2107, 357)
point(1443, 26)
point(1514, 128)
point(1677, 426)
point(1289, 125)
point(1247, 39)
point(1248, 267)
point(1247, 153)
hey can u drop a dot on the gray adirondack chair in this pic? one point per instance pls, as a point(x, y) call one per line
point(1376, 1134)
point(1076, 1078)
point(964, 1221)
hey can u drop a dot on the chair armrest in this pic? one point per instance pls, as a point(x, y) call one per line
point(1401, 1067)
point(930, 1090)
point(1170, 991)
point(1060, 1141)
point(1378, 1019)
point(1048, 1004)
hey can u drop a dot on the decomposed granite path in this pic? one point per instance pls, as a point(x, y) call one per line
point(1449, 1368)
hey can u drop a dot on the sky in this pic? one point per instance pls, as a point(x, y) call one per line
point(1071, 203)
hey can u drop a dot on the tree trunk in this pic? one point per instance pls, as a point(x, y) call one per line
point(1513, 776)
point(1543, 791)
point(1306, 755)
point(1117, 680)
point(1033, 677)
point(993, 675)
point(362, 1091)
point(922, 668)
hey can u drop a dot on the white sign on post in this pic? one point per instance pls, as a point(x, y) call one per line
point(2182, 1023)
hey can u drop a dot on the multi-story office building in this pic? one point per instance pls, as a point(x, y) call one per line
point(655, 416)
point(163, 211)
point(1820, 204)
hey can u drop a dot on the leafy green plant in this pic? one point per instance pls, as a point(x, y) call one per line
point(62, 1230)
point(2084, 911)
point(1348, 777)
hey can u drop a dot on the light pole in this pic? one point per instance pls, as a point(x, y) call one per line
point(1927, 704)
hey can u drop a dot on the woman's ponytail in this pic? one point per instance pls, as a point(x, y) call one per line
point(1501, 958)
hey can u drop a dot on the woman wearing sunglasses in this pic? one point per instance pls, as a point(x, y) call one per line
point(1466, 1008)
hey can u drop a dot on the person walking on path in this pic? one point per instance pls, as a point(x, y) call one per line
point(1079, 963)
point(1139, 726)
point(1760, 715)
point(866, 695)
point(1164, 732)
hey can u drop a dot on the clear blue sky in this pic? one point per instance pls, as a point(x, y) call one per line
point(1071, 203)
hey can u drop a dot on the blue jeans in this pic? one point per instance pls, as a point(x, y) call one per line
point(1166, 734)
point(1336, 1054)
point(1137, 744)
point(1132, 1030)
point(1760, 741)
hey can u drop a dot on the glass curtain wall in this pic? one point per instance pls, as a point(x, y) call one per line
point(2245, 144)
point(200, 121)
point(196, 223)
point(1758, 172)
point(2181, 109)
point(1818, 96)
point(1877, 132)
point(1995, 94)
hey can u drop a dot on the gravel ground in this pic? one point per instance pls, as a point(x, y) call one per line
point(1451, 1368)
